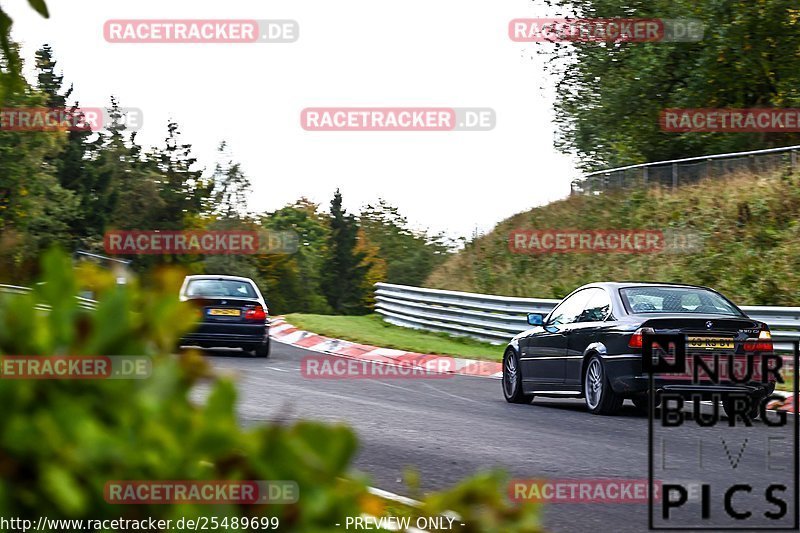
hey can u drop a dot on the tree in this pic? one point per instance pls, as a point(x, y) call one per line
point(345, 271)
point(11, 79)
point(376, 266)
point(180, 185)
point(49, 82)
point(610, 95)
point(410, 256)
point(231, 186)
point(309, 261)
point(73, 165)
point(35, 211)
point(126, 193)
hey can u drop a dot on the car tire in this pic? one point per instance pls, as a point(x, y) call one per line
point(729, 407)
point(600, 398)
point(512, 380)
point(262, 350)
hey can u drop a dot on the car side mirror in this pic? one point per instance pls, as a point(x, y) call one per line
point(535, 319)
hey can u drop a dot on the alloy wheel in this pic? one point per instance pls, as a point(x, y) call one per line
point(593, 384)
point(510, 375)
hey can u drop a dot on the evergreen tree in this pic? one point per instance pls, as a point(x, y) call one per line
point(180, 184)
point(72, 164)
point(49, 82)
point(343, 281)
point(225, 208)
point(231, 187)
point(128, 191)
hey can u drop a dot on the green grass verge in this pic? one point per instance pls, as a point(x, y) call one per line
point(371, 329)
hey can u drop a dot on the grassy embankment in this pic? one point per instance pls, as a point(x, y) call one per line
point(749, 225)
point(371, 329)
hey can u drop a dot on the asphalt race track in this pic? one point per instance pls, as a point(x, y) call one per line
point(453, 427)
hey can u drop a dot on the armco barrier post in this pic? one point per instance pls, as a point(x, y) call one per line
point(674, 176)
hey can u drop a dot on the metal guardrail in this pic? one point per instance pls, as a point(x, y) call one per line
point(496, 319)
point(85, 303)
point(678, 172)
point(14, 289)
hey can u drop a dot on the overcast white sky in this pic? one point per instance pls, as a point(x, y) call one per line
point(357, 53)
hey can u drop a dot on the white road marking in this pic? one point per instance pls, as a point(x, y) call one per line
point(395, 386)
point(452, 395)
point(391, 496)
point(385, 494)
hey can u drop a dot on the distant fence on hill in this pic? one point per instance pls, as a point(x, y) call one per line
point(678, 172)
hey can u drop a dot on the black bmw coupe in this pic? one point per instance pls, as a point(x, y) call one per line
point(590, 346)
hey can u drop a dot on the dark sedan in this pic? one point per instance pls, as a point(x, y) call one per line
point(232, 313)
point(590, 346)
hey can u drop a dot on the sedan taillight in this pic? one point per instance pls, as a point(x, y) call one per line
point(762, 344)
point(636, 338)
point(255, 313)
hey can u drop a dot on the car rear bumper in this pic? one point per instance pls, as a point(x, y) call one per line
point(626, 377)
point(227, 335)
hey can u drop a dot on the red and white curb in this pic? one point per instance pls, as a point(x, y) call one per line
point(786, 404)
point(283, 332)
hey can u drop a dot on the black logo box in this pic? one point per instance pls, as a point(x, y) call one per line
point(674, 345)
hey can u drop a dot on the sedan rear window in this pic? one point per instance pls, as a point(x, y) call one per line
point(220, 287)
point(642, 300)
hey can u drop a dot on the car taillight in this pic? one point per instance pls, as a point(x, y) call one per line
point(636, 338)
point(255, 313)
point(762, 344)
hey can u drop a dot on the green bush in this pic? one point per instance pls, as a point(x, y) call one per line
point(61, 441)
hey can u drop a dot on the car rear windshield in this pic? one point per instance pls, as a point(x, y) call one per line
point(221, 287)
point(640, 300)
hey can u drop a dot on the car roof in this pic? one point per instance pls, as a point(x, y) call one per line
point(627, 284)
point(218, 277)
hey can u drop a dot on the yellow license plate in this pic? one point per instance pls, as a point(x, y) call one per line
point(224, 312)
point(711, 343)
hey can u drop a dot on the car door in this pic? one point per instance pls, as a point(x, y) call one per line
point(587, 329)
point(543, 353)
